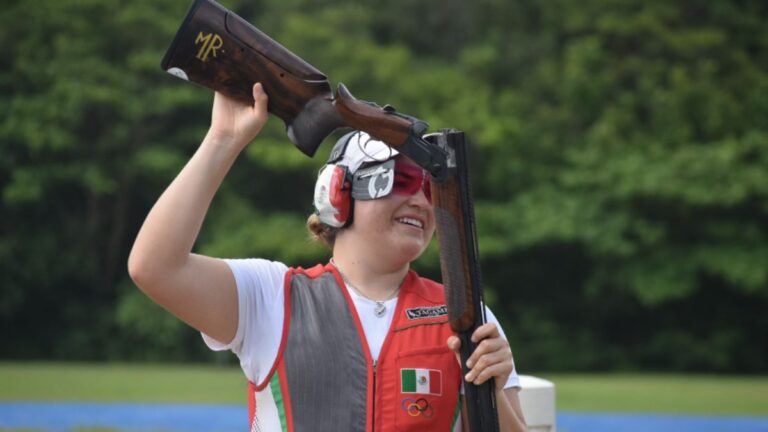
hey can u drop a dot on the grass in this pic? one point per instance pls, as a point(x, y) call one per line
point(122, 382)
point(662, 393)
point(695, 394)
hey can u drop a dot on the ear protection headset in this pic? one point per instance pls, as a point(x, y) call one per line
point(333, 203)
point(345, 177)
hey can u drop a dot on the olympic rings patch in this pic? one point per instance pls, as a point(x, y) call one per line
point(417, 407)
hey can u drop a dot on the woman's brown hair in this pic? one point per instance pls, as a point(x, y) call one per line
point(320, 231)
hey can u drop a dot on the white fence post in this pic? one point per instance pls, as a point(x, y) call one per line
point(537, 397)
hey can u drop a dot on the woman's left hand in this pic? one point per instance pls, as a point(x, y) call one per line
point(491, 359)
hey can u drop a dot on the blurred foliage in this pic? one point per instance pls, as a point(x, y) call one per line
point(620, 167)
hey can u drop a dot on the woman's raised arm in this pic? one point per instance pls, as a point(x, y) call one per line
point(199, 290)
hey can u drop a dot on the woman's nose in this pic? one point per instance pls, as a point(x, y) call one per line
point(420, 199)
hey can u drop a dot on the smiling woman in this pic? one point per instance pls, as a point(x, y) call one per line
point(342, 328)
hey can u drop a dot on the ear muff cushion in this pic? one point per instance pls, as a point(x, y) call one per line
point(339, 193)
point(332, 195)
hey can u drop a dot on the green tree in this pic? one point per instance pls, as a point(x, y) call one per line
point(619, 167)
point(85, 150)
point(638, 154)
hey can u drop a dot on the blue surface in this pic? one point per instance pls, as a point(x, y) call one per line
point(615, 422)
point(64, 416)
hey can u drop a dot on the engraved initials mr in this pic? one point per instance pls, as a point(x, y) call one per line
point(211, 42)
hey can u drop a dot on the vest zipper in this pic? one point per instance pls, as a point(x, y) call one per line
point(373, 407)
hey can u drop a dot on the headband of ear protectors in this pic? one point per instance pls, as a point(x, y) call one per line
point(342, 179)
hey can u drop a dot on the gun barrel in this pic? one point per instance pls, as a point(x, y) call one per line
point(459, 262)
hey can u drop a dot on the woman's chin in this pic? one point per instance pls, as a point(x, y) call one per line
point(410, 250)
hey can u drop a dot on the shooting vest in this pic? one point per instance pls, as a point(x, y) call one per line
point(325, 380)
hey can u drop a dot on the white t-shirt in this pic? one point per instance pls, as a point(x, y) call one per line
point(261, 310)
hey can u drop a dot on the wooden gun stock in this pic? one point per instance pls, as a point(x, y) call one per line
point(394, 130)
point(460, 267)
point(399, 131)
point(217, 49)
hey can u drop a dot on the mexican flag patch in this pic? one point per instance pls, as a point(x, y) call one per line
point(421, 381)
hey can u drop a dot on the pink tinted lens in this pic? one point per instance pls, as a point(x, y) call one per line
point(409, 179)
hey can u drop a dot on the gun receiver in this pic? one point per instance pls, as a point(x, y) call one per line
point(217, 49)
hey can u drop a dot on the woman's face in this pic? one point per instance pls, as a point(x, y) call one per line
point(398, 226)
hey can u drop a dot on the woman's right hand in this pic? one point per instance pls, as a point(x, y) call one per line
point(235, 123)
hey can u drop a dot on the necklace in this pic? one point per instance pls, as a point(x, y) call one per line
point(381, 308)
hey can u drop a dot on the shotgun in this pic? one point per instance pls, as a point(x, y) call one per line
point(216, 48)
point(460, 267)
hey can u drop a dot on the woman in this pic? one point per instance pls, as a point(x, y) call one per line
point(358, 344)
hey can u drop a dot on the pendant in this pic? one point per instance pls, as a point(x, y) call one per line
point(379, 309)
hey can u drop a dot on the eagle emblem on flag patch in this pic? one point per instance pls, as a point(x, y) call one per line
point(421, 381)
